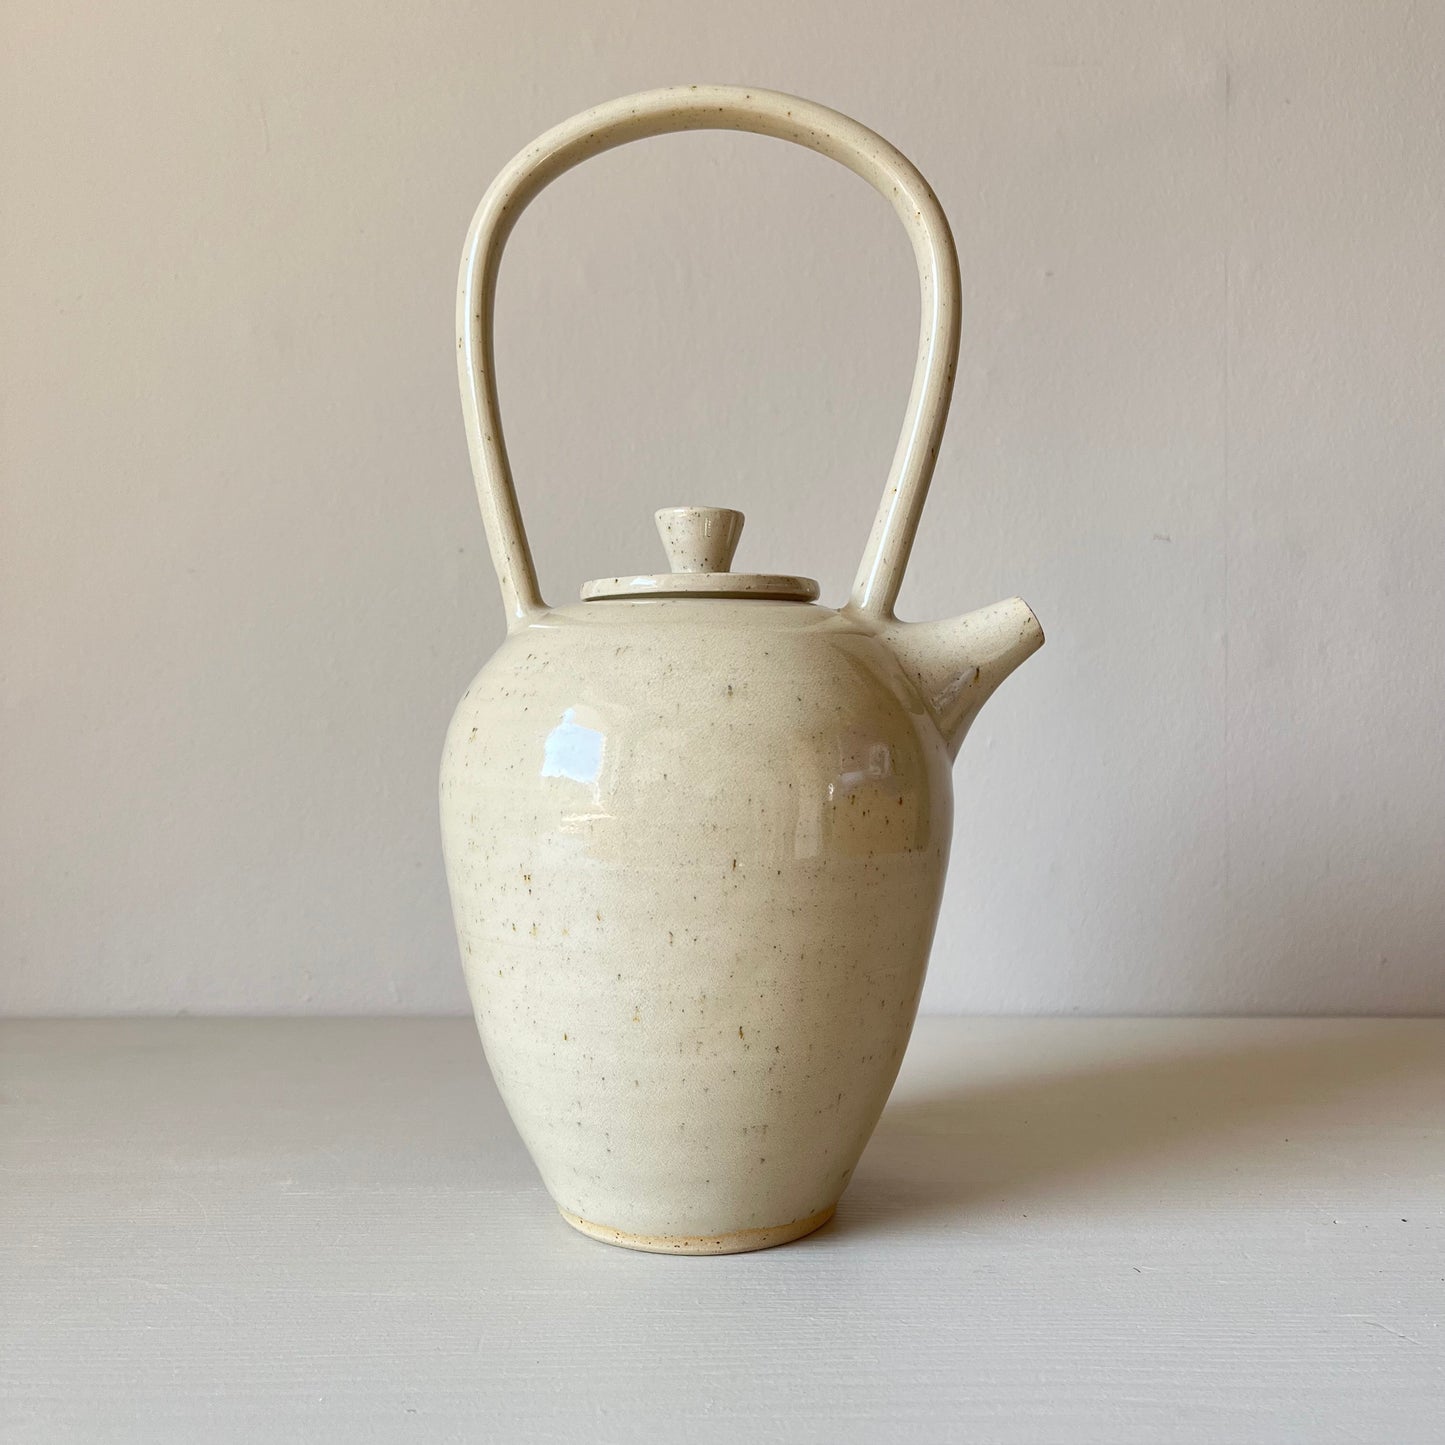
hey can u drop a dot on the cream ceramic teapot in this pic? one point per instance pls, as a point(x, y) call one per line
point(696, 826)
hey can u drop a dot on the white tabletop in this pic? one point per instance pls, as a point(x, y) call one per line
point(1063, 1231)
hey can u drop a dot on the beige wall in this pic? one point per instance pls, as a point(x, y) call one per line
point(1198, 425)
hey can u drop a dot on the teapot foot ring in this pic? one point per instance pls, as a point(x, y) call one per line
point(739, 1241)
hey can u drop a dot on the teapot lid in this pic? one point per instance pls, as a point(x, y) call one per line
point(700, 543)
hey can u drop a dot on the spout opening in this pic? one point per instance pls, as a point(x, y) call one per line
point(1032, 626)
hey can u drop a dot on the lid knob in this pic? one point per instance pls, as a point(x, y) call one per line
point(699, 539)
point(700, 543)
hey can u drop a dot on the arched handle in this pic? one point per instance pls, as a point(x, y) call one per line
point(712, 107)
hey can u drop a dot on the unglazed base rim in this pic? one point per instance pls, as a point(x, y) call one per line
point(739, 1241)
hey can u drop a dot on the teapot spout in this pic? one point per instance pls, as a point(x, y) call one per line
point(957, 664)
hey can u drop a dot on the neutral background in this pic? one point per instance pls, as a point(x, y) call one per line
point(1198, 425)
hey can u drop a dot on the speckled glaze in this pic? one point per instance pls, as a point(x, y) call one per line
point(695, 826)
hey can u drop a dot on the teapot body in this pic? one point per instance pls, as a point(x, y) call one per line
point(695, 849)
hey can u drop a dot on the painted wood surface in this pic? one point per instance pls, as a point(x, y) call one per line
point(1072, 1231)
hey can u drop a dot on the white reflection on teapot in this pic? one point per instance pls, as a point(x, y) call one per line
point(574, 751)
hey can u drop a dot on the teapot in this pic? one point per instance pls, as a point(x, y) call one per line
point(696, 825)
